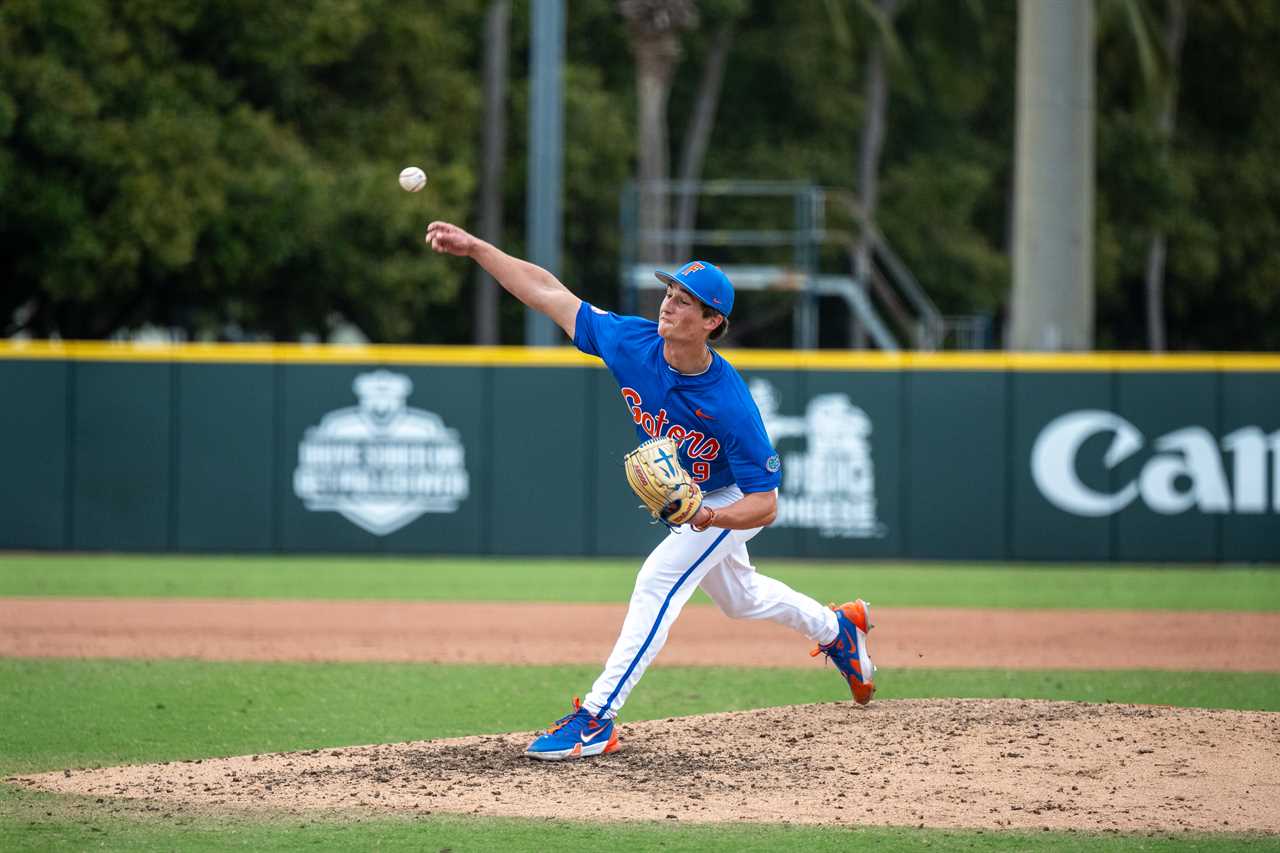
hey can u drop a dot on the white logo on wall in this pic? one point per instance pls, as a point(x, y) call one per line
point(830, 484)
point(1188, 470)
point(381, 464)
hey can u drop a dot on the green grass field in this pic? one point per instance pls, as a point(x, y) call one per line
point(84, 713)
point(580, 580)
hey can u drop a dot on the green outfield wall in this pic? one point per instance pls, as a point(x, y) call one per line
point(249, 448)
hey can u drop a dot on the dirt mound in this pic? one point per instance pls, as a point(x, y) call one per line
point(943, 763)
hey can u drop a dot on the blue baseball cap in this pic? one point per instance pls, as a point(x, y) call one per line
point(704, 280)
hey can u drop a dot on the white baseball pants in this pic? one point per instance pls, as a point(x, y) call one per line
point(717, 561)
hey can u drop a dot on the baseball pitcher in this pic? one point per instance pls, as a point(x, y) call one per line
point(705, 468)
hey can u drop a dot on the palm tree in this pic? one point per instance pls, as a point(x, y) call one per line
point(884, 47)
point(698, 135)
point(654, 27)
point(1159, 53)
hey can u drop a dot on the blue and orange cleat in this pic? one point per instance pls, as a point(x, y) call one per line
point(577, 735)
point(848, 651)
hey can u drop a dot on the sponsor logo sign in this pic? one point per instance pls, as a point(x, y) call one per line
point(1188, 469)
point(381, 464)
point(828, 480)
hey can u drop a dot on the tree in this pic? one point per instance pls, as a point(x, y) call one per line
point(697, 135)
point(1211, 189)
point(874, 127)
point(227, 169)
point(1160, 51)
point(654, 27)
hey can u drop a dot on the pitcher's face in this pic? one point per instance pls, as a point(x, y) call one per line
point(680, 316)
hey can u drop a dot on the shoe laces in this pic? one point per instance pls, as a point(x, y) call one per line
point(835, 652)
point(578, 713)
point(838, 654)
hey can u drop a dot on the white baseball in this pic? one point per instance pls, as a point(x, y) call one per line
point(413, 179)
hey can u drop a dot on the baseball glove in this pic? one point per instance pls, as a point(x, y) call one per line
point(654, 473)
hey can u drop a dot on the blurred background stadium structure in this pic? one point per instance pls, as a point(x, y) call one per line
point(226, 171)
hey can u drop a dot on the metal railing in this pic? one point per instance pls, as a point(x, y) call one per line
point(748, 278)
point(886, 303)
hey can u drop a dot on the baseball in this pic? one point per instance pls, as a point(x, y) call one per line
point(412, 178)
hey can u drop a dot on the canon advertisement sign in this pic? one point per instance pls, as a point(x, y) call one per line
point(1188, 469)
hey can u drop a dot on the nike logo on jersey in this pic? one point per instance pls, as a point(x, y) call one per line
point(703, 415)
point(588, 738)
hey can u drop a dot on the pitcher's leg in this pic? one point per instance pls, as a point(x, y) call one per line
point(840, 632)
point(743, 593)
point(667, 579)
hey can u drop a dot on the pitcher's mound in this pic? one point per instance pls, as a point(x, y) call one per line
point(942, 763)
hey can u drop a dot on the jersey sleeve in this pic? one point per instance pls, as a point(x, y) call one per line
point(756, 465)
point(597, 331)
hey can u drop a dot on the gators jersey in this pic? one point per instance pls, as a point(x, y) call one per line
point(710, 416)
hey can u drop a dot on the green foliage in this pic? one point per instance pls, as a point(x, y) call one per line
point(226, 167)
point(200, 164)
point(1217, 194)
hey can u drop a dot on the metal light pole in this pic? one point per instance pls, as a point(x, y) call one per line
point(497, 26)
point(546, 153)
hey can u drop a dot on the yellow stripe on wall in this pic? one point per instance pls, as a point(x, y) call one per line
point(14, 350)
point(295, 353)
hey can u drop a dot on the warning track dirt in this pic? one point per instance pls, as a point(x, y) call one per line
point(460, 632)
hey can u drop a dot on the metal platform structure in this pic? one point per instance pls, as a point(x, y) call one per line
point(887, 307)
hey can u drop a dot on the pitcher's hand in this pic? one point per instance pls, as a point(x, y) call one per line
point(450, 239)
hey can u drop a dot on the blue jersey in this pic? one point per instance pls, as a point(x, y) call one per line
point(711, 416)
